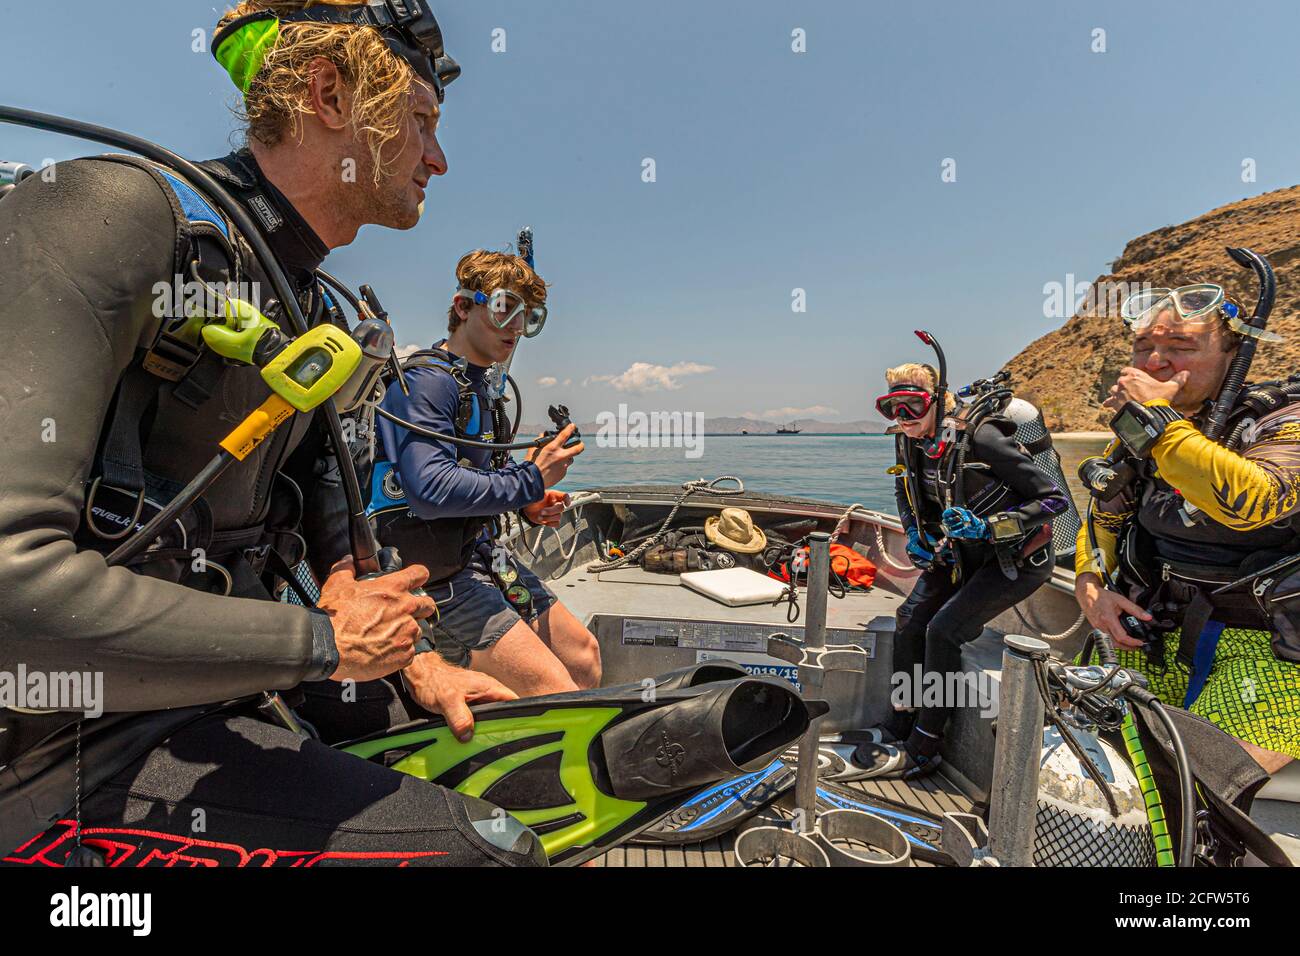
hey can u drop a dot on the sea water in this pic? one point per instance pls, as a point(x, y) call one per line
point(838, 468)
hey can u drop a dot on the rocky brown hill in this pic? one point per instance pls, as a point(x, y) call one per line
point(1067, 373)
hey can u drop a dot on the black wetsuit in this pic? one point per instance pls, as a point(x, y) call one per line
point(943, 612)
point(81, 257)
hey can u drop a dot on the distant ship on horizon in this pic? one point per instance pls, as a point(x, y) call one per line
point(787, 429)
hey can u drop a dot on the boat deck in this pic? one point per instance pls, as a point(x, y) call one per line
point(632, 593)
point(609, 602)
point(635, 593)
point(935, 795)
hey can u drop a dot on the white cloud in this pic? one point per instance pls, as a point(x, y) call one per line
point(404, 350)
point(546, 381)
point(644, 377)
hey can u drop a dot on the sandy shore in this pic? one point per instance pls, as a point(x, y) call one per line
point(1091, 436)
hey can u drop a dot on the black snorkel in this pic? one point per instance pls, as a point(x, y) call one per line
point(937, 445)
point(1250, 330)
point(525, 246)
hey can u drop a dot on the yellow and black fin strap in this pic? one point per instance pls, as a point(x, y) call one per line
point(252, 431)
point(1240, 491)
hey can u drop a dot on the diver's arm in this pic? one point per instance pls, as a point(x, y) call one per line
point(1242, 491)
point(79, 257)
point(1040, 499)
point(436, 485)
point(1106, 528)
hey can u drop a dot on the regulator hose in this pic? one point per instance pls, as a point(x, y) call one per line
point(456, 440)
point(1186, 782)
point(1151, 799)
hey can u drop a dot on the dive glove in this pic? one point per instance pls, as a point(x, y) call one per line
point(962, 523)
point(922, 557)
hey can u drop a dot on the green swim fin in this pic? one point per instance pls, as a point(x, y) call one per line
point(588, 769)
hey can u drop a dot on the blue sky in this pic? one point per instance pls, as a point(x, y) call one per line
point(775, 170)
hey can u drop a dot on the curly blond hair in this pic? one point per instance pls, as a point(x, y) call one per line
point(277, 98)
point(484, 271)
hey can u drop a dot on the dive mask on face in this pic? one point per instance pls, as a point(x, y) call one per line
point(504, 306)
point(906, 402)
point(1190, 305)
point(408, 27)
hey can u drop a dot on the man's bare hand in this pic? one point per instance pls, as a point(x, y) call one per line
point(1102, 607)
point(549, 510)
point(553, 459)
point(1135, 385)
point(374, 621)
point(444, 689)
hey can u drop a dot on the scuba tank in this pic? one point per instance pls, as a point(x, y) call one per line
point(1031, 431)
point(993, 397)
point(1073, 826)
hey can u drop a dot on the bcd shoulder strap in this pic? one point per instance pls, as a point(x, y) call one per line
point(176, 359)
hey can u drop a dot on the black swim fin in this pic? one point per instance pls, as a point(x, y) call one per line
point(588, 769)
point(705, 672)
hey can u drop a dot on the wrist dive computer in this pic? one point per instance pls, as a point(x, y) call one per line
point(1139, 427)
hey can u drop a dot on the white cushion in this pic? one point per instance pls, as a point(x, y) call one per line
point(735, 586)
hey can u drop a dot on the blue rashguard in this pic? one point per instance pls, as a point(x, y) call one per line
point(436, 484)
point(473, 613)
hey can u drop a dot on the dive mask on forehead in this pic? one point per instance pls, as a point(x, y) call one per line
point(1190, 305)
point(408, 27)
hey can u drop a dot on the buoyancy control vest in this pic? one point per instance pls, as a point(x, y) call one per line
point(951, 480)
point(1173, 556)
point(161, 429)
point(443, 545)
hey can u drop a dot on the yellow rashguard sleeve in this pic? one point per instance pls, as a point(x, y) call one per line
point(1107, 518)
point(1242, 491)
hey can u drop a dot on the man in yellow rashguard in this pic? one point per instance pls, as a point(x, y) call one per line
point(1200, 515)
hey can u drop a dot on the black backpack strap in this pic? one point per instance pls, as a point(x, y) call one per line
point(122, 458)
point(171, 358)
point(443, 360)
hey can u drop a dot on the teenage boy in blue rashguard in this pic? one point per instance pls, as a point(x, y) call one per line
point(494, 615)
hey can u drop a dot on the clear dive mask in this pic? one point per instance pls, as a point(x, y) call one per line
point(505, 305)
point(1189, 306)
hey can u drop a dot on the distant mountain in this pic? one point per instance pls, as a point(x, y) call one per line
point(754, 426)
